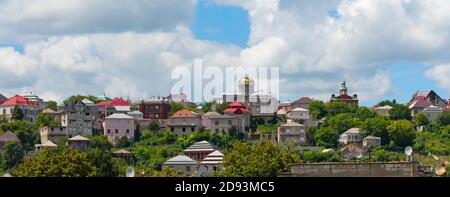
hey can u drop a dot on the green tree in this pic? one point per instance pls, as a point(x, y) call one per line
point(102, 159)
point(123, 142)
point(363, 113)
point(53, 105)
point(12, 153)
point(382, 155)
point(27, 133)
point(263, 159)
point(154, 126)
point(336, 107)
point(169, 172)
point(340, 123)
point(317, 109)
point(402, 133)
point(377, 126)
point(319, 156)
point(100, 142)
point(43, 120)
point(174, 107)
point(387, 102)
point(326, 137)
point(78, 98)
point(421, 119)
point(400, 112)
point(444, 119)
point(17, 113)
point(56, 163)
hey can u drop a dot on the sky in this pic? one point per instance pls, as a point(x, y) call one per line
point(384, 49)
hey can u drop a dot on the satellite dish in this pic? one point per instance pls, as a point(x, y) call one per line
point(359, 156)
point(408, 151)
point(130, 172)
point(440, 171)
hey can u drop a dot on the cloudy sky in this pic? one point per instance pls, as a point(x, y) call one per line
point(385, 49)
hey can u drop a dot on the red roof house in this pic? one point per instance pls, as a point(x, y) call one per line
point(236, 108)
point(184, 113)
point(114, 102)
point(16, 100)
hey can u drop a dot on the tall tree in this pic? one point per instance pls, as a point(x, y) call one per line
point(326, 137)
point(402, 133)
point(400, 112)
point(342, 122)
point(363, 113)
point(263, 159)
point(444, 119)
point(53, 105)
point(56, 163)
point(12, 153)
point(317, 109)
point(377, 126)
point(336, 107)
point(421, 119)
point(17, 113)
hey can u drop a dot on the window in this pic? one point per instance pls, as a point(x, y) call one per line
point(128, 131)
point(288, 130)
point(51, 129)
point(157, 115)
point(217, 122)
point(230, 122)
point(193, 129)
point(184, 129)
point(172, 129)
point(302, 130)
point(217, 130)
point(157, 107)
point(116, 131)
point(188, 168)
point(302, 139)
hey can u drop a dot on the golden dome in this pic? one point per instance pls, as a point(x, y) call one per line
point(246, 80)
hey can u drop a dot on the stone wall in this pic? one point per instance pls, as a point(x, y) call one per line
point(373, 169)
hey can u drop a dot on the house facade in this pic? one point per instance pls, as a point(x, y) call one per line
point(109, 107)
point(371, 141)
point(351, 136)
point(28, 109)
point(212, 163)
point(383, 110)
point(241, 112)
point(78, 142)
point(79, 118)
point(117, 126)
point(155, 108)
point(432, 112)
point(184, 122)
point(218, 123)
point(292, 132)
point(53, 133)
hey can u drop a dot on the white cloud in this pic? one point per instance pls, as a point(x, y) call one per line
point(26, 19)
point(130, 47)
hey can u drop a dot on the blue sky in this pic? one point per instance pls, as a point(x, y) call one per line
point(226, 24)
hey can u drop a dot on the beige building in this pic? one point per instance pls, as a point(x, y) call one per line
point(432, 112)
point(79, 142)
point(182, 163)
point(184, 122)
point(371, 141)
point(53, 133)
point(218, 123)
point(383, 110)
point(351, 136)
point(292, 132)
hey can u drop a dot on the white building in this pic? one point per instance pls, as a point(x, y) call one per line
point(351, 136)
point(432, 112)
point(371, 141)
point(383, 110)
point(182, 163)
point(212, 163)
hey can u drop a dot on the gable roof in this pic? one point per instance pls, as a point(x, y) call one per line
point(420, 102)
point(211, 114)
point(385, 107)
point(8, 136)
point(292, 124)
point(352, 131)
point(303, 100)
point(184, 113)
point(180, 160)
point(49, 144)
point(200, 146)
point(119, 116)
point(79, 138)
point(236, 104)
point(17, 100)
point(114, 102)
point(299, 109)
point(352, 149)
point(372, 138)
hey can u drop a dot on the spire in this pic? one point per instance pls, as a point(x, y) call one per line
point(343, 89)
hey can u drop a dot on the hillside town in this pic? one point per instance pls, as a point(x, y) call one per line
point(236, 135)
